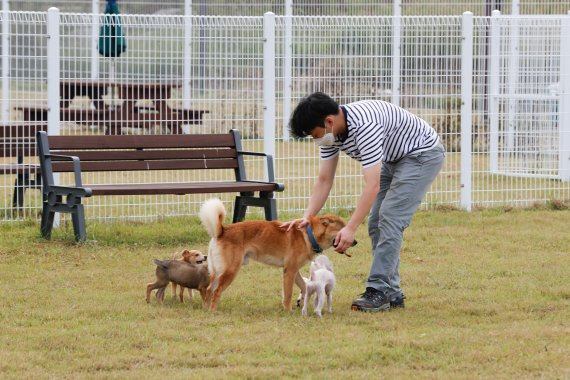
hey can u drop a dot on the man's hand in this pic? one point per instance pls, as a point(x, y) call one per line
point(298, 223)
point(344, 239)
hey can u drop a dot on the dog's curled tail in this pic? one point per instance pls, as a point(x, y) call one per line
point(212, 215)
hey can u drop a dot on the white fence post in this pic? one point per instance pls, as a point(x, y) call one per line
point(513, 77)
point(494, 77)
point(269, 85)
point(564, 106)
point(6, 55)
point(94, 39)
point(466, 107)
point(53, 59)
point(287, 67)
point(396, 50)
point(187, 62)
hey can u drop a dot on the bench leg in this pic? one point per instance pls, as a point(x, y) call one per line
point(38, 183)
point(270, 209)
point(78, 218)
point(265, 200)
point(47, 220)
point(240, 207)
point(23, 181)
point(19, 190)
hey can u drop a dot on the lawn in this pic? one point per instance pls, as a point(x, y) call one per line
point(488, 296)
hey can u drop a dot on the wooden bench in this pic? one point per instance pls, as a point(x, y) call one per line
point(17, 141)
point(113, 120)
point(157, 92)
point(154, 110)
point(79, 154)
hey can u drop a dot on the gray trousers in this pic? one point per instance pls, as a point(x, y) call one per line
point(403, 184)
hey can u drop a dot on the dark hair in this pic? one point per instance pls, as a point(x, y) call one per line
point(311, 112)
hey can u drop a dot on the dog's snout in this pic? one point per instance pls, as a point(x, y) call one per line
point(205, 258)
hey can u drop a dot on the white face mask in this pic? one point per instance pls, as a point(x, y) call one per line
point(326, 140)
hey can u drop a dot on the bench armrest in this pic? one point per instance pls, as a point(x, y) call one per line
point(269, 159)
point(252, 153)
point(270, 171)
point(67, 190)
point(76, 166)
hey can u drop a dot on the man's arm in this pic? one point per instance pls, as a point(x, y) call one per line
point(321, 192)
point(322, 186)
point(345, 237)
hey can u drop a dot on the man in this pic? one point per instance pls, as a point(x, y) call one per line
point(400, 155)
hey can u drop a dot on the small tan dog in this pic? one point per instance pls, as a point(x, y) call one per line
point(192, 256)
point(233, 245)
point(191, 275)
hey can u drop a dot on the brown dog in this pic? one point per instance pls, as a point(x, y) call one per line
point(233, 245)
point(191, 276)
point(192, 257)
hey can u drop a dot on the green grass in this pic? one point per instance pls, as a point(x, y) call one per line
point(488, 297)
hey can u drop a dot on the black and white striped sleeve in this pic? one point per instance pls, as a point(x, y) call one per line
point(328, 152)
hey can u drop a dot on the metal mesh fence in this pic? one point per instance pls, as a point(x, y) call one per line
point(517, 97)
point(215, 65)
point(222, 71)
point(23, 83)
point(304, 8)
point(351, 60)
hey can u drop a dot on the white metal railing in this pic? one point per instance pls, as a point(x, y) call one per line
point(248, 73)
point(466, 108)
point(564, 106)
point(302, 7)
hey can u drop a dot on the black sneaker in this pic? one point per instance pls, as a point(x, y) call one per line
point(371, 300)
point(397, 300)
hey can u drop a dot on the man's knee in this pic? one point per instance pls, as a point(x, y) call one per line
point(392, 226)
point(400, 215)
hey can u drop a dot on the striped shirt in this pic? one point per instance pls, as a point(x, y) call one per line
point(379, 131)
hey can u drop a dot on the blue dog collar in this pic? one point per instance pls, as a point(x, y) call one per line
point(314, 244)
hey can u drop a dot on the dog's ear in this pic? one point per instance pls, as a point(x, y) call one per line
point(325, 221)
point(185, 253)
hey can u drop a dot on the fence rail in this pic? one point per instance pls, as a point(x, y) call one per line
point(519, 96)
point(303, 7)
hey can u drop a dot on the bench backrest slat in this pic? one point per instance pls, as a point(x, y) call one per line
point(19, 140)
point(146, 152)
point(106, 166)
point(141, 141)
point(23, 130)
point(19, 148)
point(111, 155)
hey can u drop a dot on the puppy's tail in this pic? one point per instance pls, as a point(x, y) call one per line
point(161, 264)
point(312, 269)
point(212, 215)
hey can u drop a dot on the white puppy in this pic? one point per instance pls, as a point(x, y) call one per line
point(321, 284)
